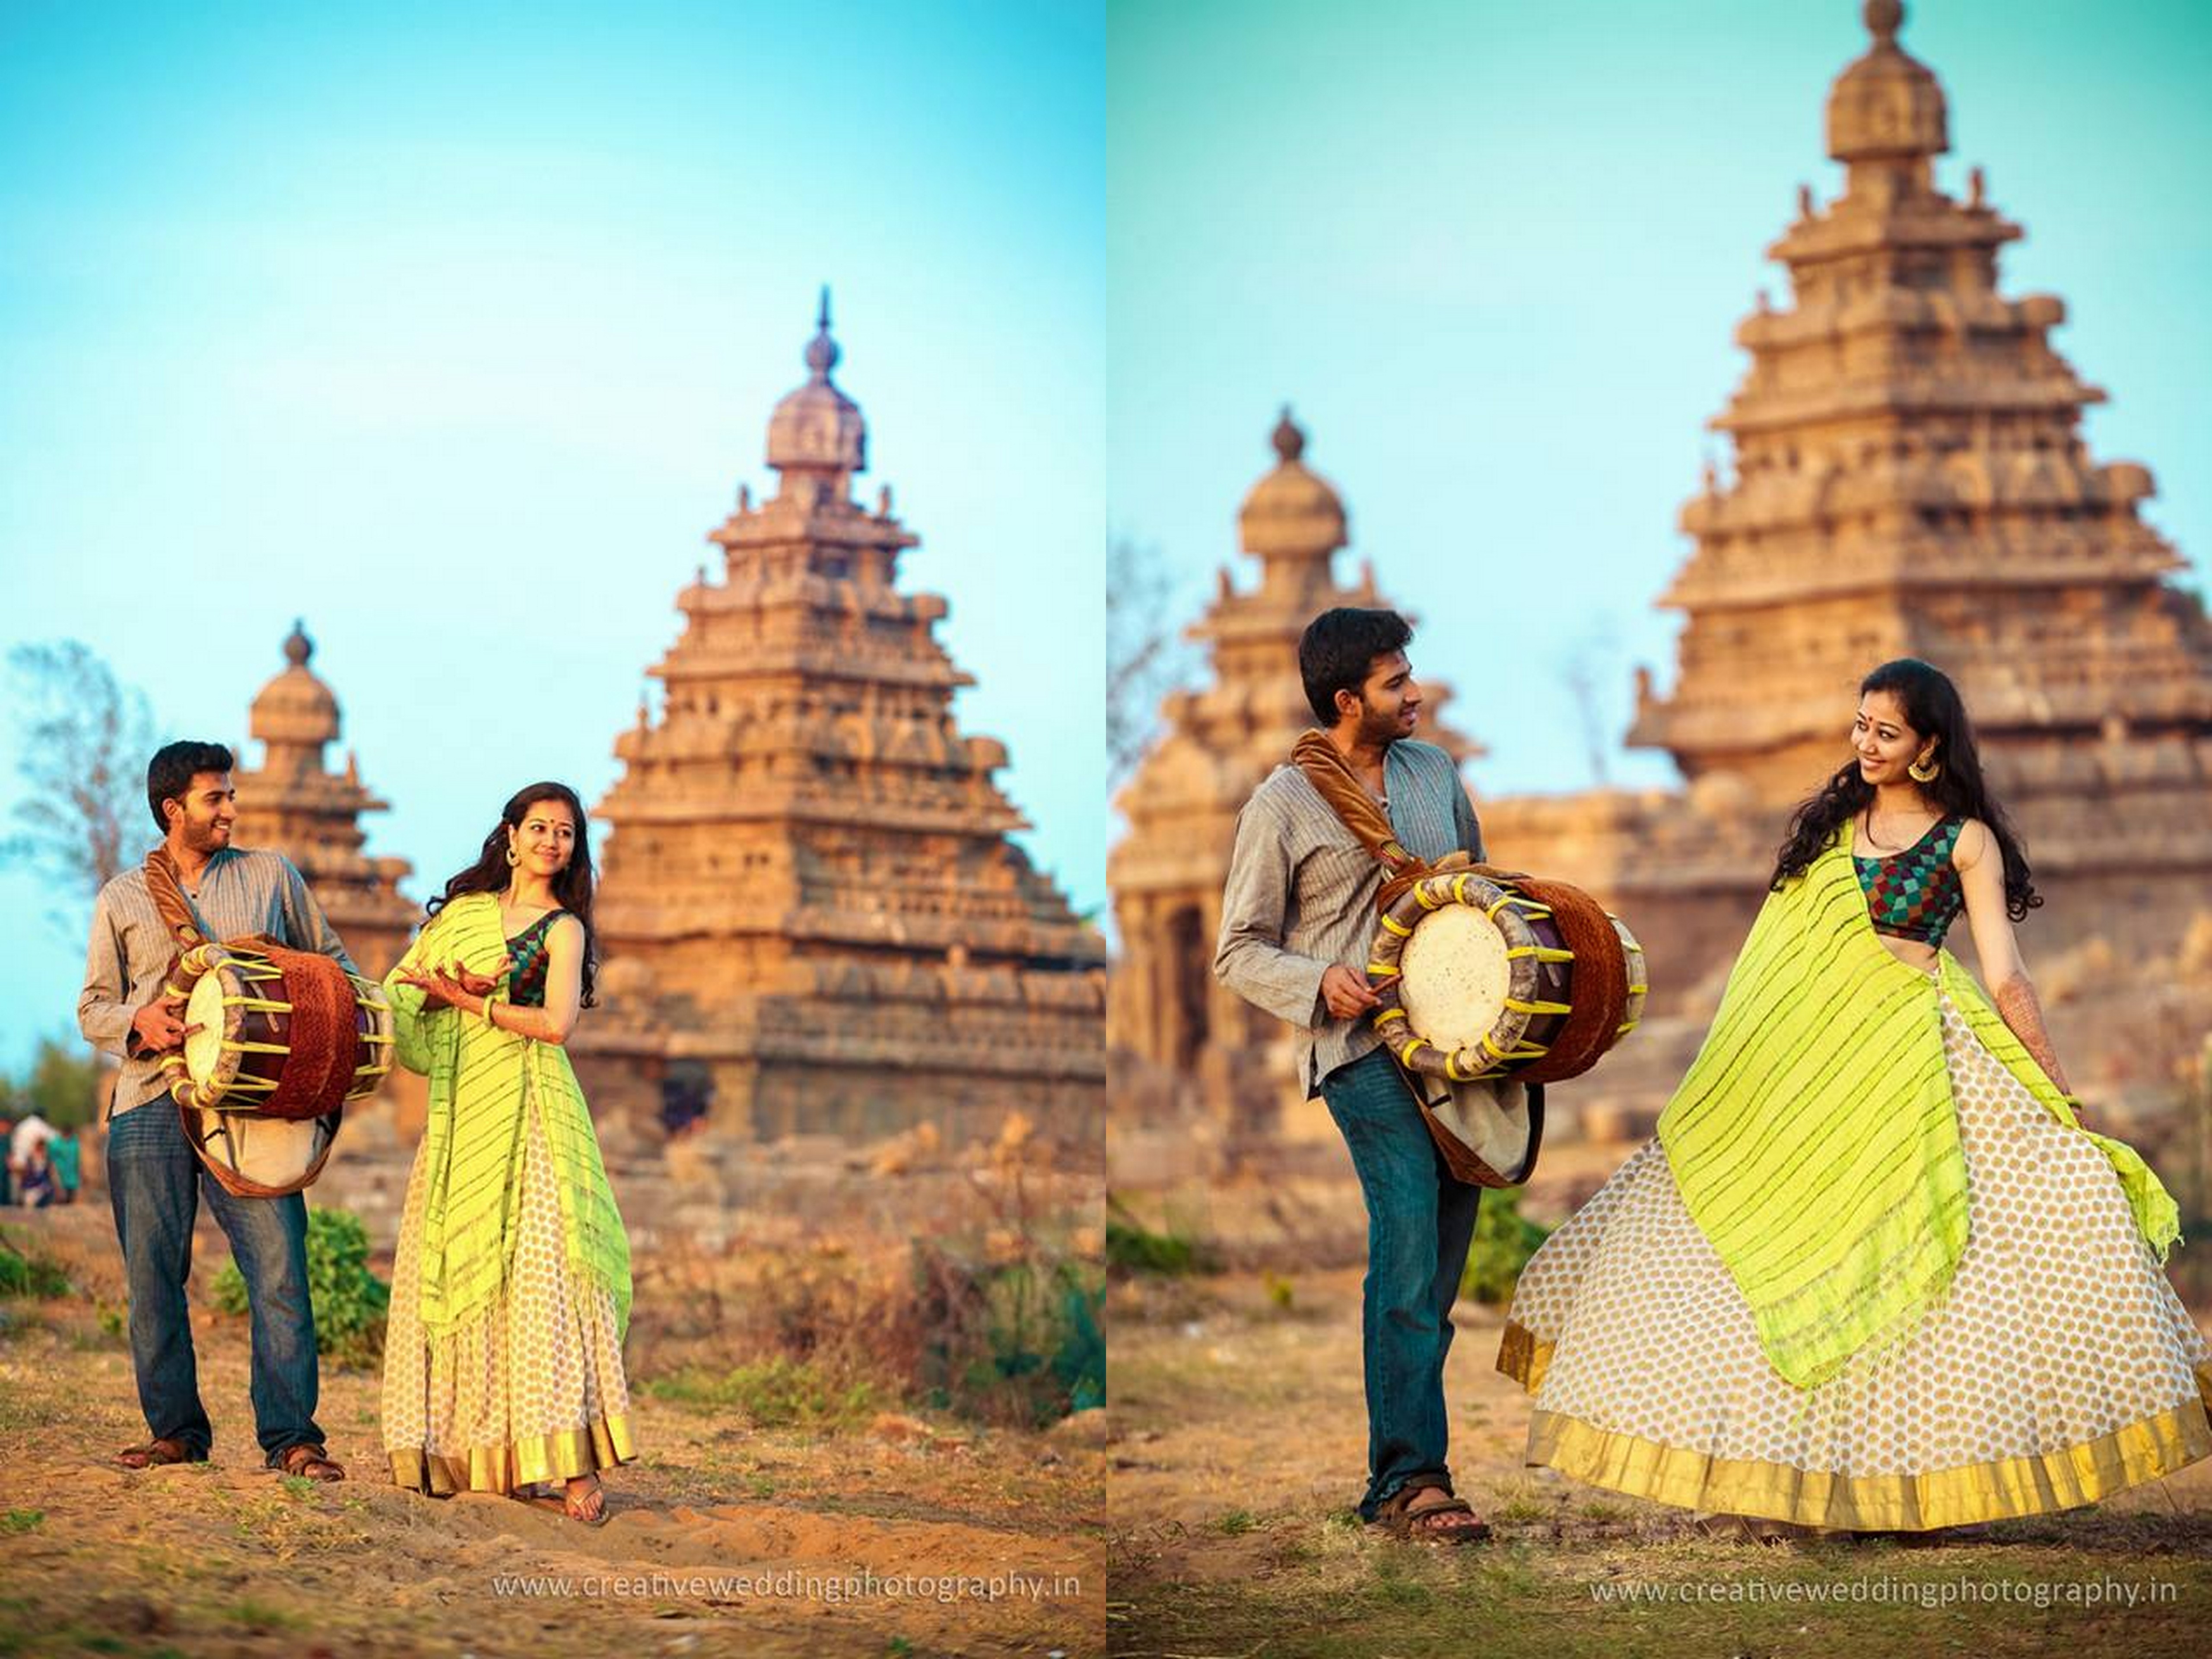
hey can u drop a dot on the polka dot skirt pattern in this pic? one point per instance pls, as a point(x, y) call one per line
point(2060, 1368)
point(533, 1392)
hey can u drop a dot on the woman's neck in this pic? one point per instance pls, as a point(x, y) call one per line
point(528, 893)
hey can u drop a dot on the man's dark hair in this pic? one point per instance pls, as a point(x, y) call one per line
point(1338, 648)
point(169, 774)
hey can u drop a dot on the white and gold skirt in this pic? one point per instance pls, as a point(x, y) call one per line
point(532, 1392)
point(2060, 1369)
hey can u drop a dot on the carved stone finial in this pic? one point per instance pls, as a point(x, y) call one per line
point(299, 648)
point(1289, 439)
point(883, 502)
point(744, 498)
point(1977, 184)
point(822, 354)
point(1804, 201)
point(1883, 20)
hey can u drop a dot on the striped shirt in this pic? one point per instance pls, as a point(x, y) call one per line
point(240, 892)
point(1301, 893)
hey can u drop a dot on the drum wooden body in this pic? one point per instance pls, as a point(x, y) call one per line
point(286, 1039)
point(287, 1034)
point(1483, 979)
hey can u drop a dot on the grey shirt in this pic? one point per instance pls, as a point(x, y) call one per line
point(1301, 893)
point(240, 892)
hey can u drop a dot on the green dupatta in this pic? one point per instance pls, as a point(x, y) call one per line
point(1815, 1140)
point(473, 1140)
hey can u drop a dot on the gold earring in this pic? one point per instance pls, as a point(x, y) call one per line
point(1934, 769)
point(512, 861)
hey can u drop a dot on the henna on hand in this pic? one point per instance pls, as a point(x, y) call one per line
point(2016, 1002)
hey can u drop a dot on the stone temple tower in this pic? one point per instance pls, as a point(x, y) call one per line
point(1909, 480)
point(291, 804)
point(1173, 1027)
point(809, 896)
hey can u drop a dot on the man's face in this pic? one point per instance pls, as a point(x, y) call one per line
point(1390, 701)
point(202, 819)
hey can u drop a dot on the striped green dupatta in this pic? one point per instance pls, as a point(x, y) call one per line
point(1815, 1140)
point(473, 1139)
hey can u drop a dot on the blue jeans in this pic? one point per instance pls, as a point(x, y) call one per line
point(154, 1183)
point(1420, 1220)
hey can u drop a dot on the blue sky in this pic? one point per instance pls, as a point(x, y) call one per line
point(1495, 252)
point(454, 328)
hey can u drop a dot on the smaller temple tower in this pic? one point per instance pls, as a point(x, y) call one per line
point(1173, 1027)
point(291, 804)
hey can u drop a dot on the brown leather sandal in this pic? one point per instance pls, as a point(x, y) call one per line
point(1434, 1523)
point(157, 1452)
point(311, 1462)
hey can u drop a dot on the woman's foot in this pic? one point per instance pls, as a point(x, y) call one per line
point(587, 1500)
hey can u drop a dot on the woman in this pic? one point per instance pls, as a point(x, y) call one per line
point(1872, 1273)
point(511, 1290)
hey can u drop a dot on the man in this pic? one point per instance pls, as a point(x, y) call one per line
point(154, 1179)
point(1297, 918)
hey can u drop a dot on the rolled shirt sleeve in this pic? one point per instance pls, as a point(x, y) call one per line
point(1249, 956)
point(104, 1012)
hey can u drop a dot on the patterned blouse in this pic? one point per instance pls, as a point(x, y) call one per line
point(525, 985)
point(1915, 893)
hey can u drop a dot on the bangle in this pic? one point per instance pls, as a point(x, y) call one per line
point(489, 1005)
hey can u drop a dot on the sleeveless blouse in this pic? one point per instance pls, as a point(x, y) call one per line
point(1915, 893)
point(525, 985)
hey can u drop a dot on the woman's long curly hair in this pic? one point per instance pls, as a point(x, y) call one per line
point(572, 888)
point(1932, 709)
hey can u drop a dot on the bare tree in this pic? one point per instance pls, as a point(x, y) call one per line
point(85, 738)
point(1145, 656)
point(1591, 663)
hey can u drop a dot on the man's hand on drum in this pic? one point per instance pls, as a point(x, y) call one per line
point(159, 1025)
point(1347, 992)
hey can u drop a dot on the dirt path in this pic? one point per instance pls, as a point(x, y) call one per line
point(847, 1540)
point(1239, 1449)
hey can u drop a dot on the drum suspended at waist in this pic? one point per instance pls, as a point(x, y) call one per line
point(1489, 975)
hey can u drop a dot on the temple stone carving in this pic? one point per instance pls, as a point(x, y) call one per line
point(811, 915)
point(293, 805)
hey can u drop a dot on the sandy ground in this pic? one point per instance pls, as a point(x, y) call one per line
point(914, 1533)
point(1239, 1449)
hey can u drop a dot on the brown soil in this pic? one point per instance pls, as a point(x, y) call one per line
point(1239, 1449)
point(231, 1559)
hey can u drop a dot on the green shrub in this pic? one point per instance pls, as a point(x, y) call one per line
point(1505, 1239)
point(778, 1392)
point(1018, 1341)
point(37, 1274)
point(349, 1300)
point(1134, 1247)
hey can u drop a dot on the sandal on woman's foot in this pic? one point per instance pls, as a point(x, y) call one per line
point(1430, 1515)
point(310, 1460)
point(588, 1506)
point(155, 1453)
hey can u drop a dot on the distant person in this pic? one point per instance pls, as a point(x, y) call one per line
point(38, 1178)
point(6, 1159)
point(154, 1180)
point(30, 1131)
point(511, 1286)
point(1872, 1273)
point(67, 1153)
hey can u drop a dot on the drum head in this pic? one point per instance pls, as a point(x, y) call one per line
point(207, 1061)
point(1455, 977)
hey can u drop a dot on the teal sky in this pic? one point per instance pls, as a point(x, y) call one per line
point(453, 328)
point(1494, 253)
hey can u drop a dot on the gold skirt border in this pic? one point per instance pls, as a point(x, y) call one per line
point(600, 1444)
point(2009, 1487)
